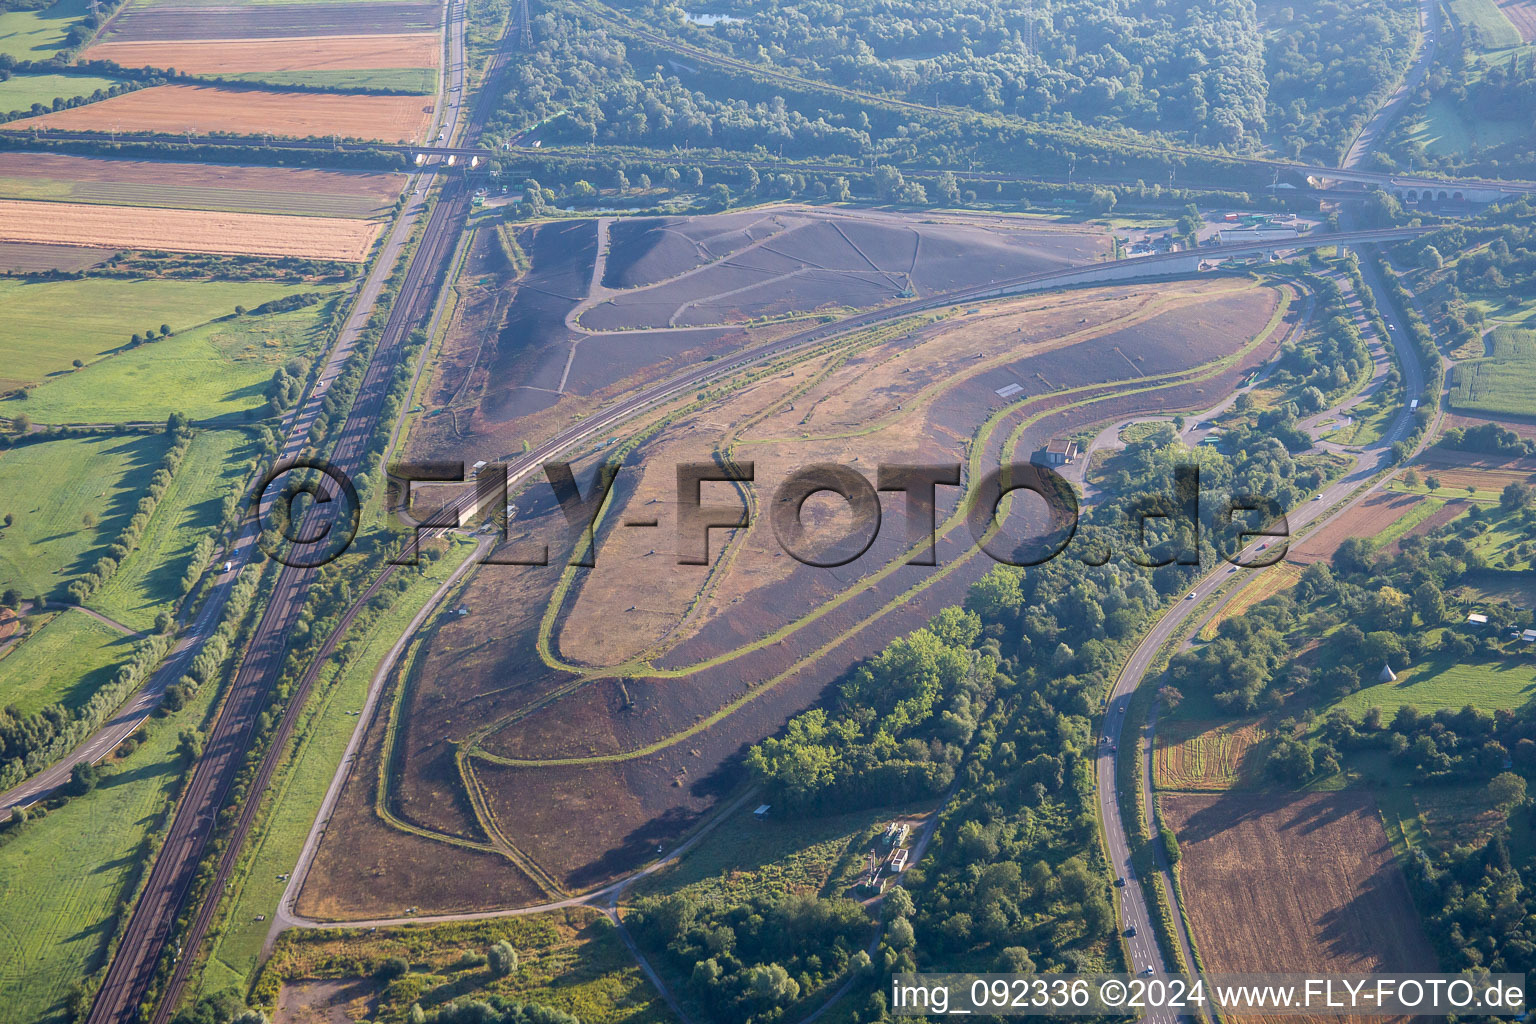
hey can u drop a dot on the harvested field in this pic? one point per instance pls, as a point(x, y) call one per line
point(1207, 756)
point(1440, 513)
point(1265, 585)
point(1367, 519)
point(179, 108)
point(298, 53)
point(141, 22)
point(126, 227)
point(1295, 882)
point(1455, 470)
point(1522, 15)
point(36, 258)
point(285, 190)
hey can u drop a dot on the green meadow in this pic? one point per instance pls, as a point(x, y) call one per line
point(1493, 30)
point(37, 35)
point(48, 324)
point(64, 879)
point(149, 580)
point(1440, 683)
point(68, 659)
point(219, 370)
point(68, 500)
point(409, 81)
point(21, 91)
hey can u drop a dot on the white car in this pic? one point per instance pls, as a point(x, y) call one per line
point(1147, 970)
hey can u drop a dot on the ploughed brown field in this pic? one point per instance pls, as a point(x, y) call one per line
point(29, 258)
point(169, 20)
point(573, 771)
point(1366, 519)
point(127, 227)
point(60, 168)
point(1287, 882)
point(298, 53)
point(1522, 15)
point(173, 109)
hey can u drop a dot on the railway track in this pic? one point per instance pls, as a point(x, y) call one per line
point(156, 917)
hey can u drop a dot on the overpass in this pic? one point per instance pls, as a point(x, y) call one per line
point(1416, 186)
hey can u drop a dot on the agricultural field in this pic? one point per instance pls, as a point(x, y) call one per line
point(1202, 755)
point(38, 344)
point(588, 747)
point(216, 372)
point(174, 109)
point(1455, 471)
point(1265, 584)
point(305, 53)
point(1503, 383)
point(1522, 15)
point(19, 92)
point(1370, 518)
point(38, 35)
point(572, 960)
point(145, 183)
point(64, 662)
point(203, 231)
point(1288, 882)
point(69, 499)
point(64, 877)
point(139, 22)
point(148, 581)
point(1486, 23)
point(28, 258)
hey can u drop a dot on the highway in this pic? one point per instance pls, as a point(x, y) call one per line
point(1336, 499)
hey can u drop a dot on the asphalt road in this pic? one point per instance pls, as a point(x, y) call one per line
point(1336, 499)
point(1388, 111)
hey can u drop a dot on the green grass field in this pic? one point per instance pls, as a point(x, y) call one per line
point(218, 370)
point(66, 661)
point(63, 879)
point(37, 35)
point(49, 323)
point(21, 91)
point(149, 579)
point(410, 81)
point(326, 727)
point(1439, 683)
point(1486, 26)
point(50, 488)
point(1504, 382)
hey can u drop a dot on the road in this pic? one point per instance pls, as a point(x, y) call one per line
point(1429, 37)
point(1336, 499)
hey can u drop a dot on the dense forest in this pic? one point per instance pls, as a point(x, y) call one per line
point(1215, 72)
